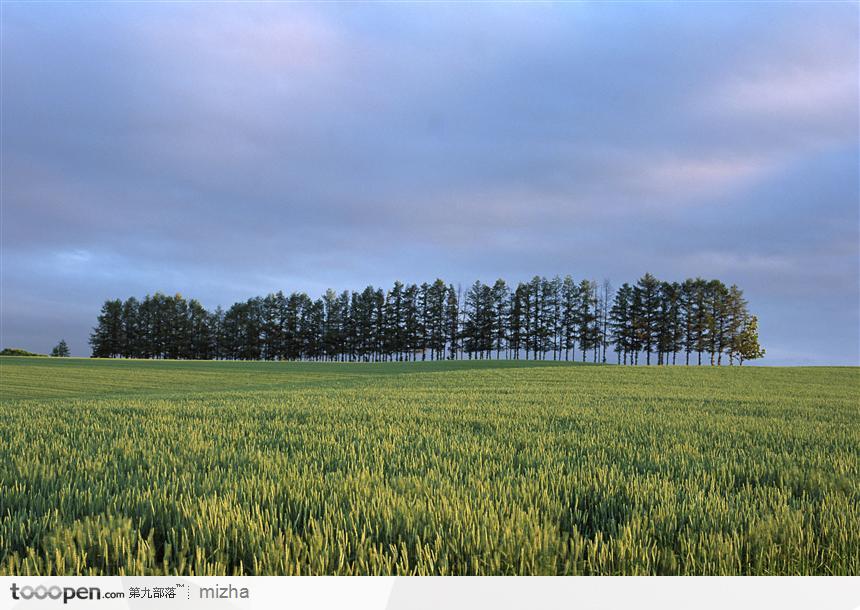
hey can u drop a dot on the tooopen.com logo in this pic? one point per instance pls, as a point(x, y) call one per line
point(61, 593)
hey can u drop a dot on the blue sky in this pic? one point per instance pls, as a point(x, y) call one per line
point(228, 150)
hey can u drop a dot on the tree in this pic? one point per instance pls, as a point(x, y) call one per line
point(569, 316)
point(647, 299)
point(552, 306)
point(736, 316)
point(717, 317)
point(130, 322)
point(698, 317)
point(747, 346)
point(452, 321)
point(434, 319)
point(588, 331)
point(61, 350)
point(536, 321)
point(412, 322)
point(333, 325)
point(395, 340)
point(669, 322)
point(216, 334)
point(106, 338)
point(477, 329)
point(516, 321)
point(621, 322)
point(537, 317)
point(688, 316)
point(605, 297)
point(501, 296)
point(200, 341)
point(270, 327)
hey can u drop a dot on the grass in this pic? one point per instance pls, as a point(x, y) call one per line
point(161, 467)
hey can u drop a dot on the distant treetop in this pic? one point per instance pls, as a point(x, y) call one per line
point(14, 351)
point(542, 319)
point(61, 350)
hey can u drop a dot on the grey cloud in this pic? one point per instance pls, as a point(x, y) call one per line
point(228, 150)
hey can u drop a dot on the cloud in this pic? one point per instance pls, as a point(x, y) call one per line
point(227, 150)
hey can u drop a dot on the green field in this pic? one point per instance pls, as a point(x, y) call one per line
point(162, 467)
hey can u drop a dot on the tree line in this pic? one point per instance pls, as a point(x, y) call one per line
point(691, 322)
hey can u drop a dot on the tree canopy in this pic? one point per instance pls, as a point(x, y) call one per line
point(61, 350)
point(542, 319)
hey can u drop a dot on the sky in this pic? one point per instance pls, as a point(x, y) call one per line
point(224, 151)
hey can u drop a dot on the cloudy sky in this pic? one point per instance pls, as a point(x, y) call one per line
point(228, 150)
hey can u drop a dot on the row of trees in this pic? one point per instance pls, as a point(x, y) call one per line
point(545, 318)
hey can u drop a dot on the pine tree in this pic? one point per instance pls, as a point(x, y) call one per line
point(473, 323)
point(700, 317)
point(621, 322)
point(271, 328)
point(717, 317)
point(552, 313)
point(540, 316)
point(333, 322)
point(435, 319)
point(587, 331)
point(414, 332)
point(106, 338)
point(569, 316)
point(61, 350)
point(200, 339)
point(501, 298)
point(217, 341)
point(516, 317)
point(394, 322)
point(688, 317)
point(605, 298)
point(736, 317)
point(669, 324)
point(452, 321)
point(535, 324)
point(648, 305)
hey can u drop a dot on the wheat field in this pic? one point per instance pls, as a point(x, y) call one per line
point(491, 467)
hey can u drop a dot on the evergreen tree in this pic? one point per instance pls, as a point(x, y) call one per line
point(395, 337)
point(587, 331)
point(569, 299)
point(216, 334)
point(700, 320)
point(552, 315)
point(516, 320)
point(199, 327)
point(452, 321)
point(106, 338)
point(129, 319)
point(622, 324)
point(501, 299)
point(688, 317)
point(736, 317)
point(435, 321)
point(647, 293)
point(669, 322)
point(61, 350)
point(412, 322)
point(472, 328)
point(605, 298)
point(333, 324)
point(535, 330)
point(538, 317)
point(717, 320)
